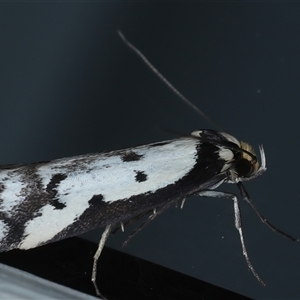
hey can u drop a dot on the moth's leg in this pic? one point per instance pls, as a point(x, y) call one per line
point(247, 198)
point(101, 244)
point(237, 221)
point(133, 220)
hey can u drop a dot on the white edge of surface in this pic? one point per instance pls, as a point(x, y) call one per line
point(17, 284)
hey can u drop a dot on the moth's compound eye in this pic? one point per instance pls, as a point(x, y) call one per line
point(244, 167)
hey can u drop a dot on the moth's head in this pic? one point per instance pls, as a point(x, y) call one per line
point(240, 157)
point(247, 164)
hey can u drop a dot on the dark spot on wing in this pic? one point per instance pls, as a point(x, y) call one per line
point(52, 189)
point(55, 181)
point(2, 189)
point(159, 144)
point(131, 156)
point(96, 199)
point(140, 176)
point(57, 204)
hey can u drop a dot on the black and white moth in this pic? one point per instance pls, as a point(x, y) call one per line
point(45, 202)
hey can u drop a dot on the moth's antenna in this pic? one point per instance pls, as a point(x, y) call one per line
point(165, 81)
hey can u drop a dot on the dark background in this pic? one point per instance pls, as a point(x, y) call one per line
point(69, 86)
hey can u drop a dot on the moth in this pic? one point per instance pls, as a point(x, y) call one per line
point(45, 202)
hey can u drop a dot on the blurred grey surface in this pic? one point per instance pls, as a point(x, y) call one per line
point(69, 86)
point(17, 284)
